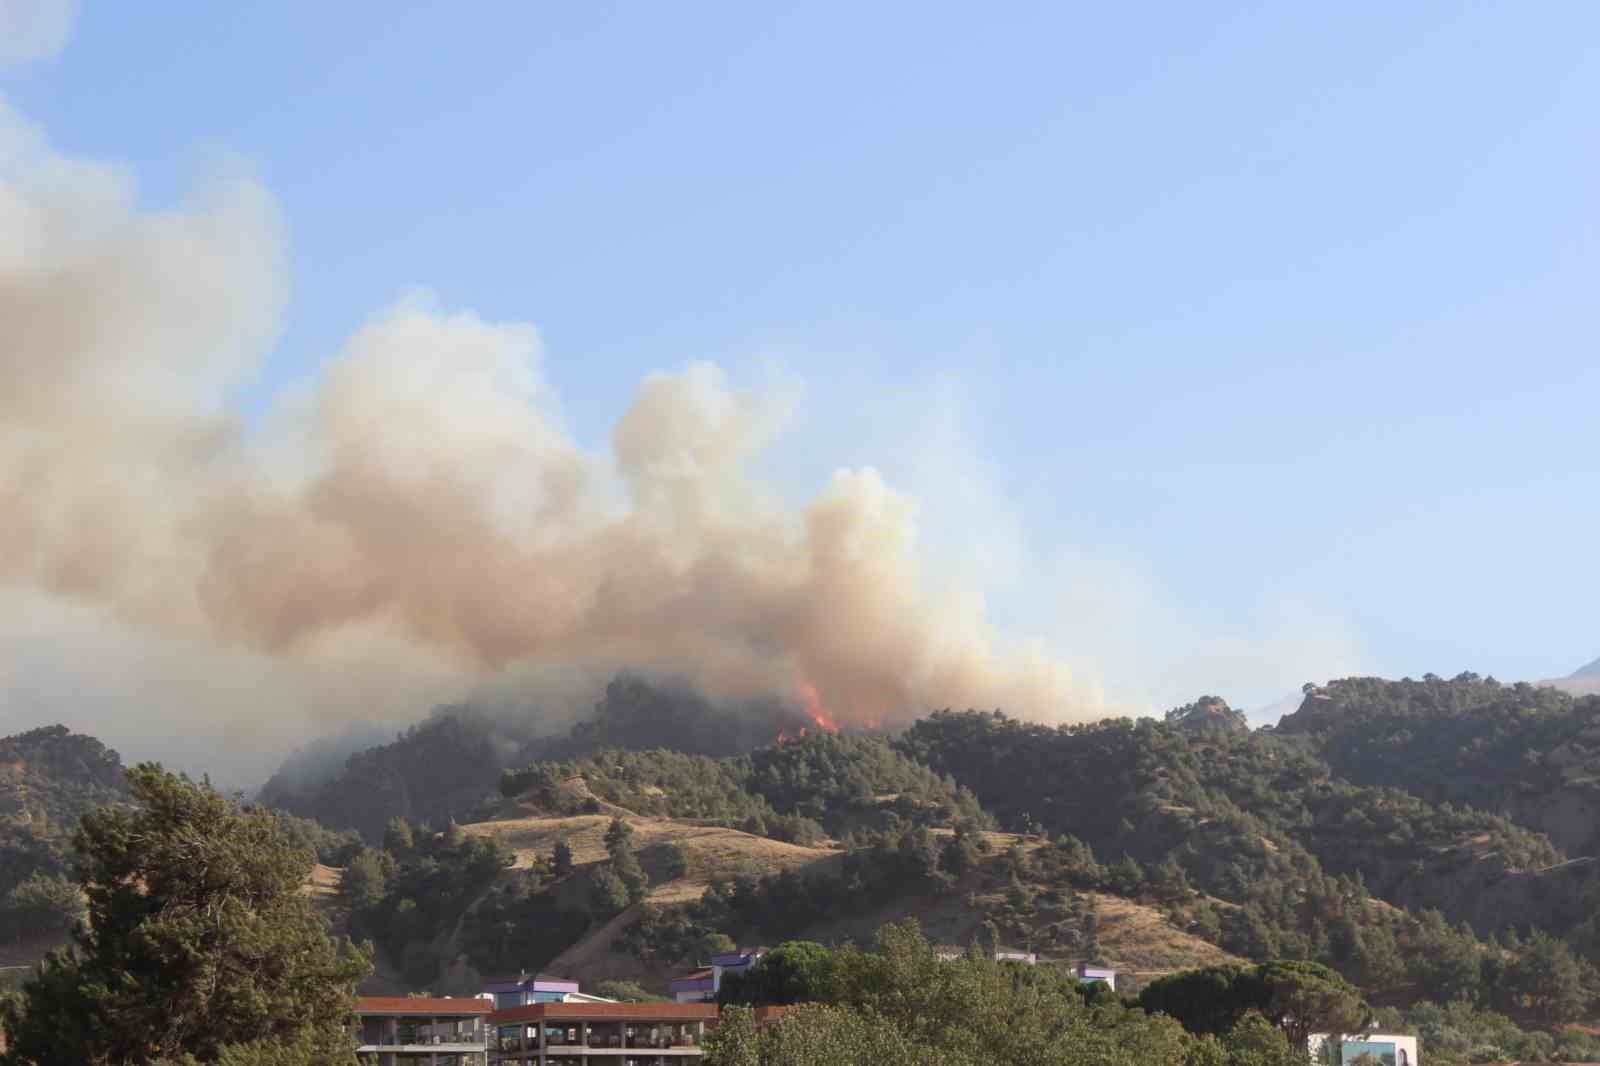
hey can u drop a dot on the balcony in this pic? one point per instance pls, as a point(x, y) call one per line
point(605, 1039)
point(441, 1038)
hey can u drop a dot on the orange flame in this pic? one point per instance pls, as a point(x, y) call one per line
point(811, 704)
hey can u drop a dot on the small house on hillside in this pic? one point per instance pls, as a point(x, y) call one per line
point(702, 985)
point(1391, 1050)
point(1087, 973)
point(697, 987)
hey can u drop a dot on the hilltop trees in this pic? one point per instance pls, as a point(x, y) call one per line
point(1305, 998)
point(48, 777)
point(1254, 819)
point(44, 903)
point(419, 883)
point(199, 942)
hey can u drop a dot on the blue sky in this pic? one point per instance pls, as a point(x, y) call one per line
point(1264, 334)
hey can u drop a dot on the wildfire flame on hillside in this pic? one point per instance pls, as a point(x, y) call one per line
point(811, 705)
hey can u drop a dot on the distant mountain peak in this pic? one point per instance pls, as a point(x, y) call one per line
point(1592, 670)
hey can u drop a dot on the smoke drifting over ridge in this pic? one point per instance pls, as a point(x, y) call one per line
point(418, 512)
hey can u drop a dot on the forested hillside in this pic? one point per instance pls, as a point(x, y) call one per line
point(1384, 829)
point(799, 790)
point(1291, 862)
point(1246, 840)
point(1532, 753)
point(49, 778)
point(1378, 829)
point(446, 765)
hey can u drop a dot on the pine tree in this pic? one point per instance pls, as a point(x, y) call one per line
point(624, 864)
point(397, 836)
point(199, 942)
point(561, 859)
point(619, 837)
point(1091, 931)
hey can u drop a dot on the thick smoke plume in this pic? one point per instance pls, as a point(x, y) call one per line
point(420, 502)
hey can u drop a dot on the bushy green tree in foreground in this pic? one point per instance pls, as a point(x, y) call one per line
point(1306, 998)
point(200, 946)
point(900, 1005)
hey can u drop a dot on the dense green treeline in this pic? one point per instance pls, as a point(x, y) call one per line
point(797, 790)
point(1252, 819)
point(1528, 751)
point(445, 766)
point(877, 866)
point(408, 895)
point(427, 898)
point(49, 777)
point(900, 1004)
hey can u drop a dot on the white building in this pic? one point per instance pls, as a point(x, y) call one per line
point(1391, 1050)
point(1087, 973)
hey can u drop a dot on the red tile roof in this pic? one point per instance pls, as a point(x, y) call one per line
point(606, 1012)
point(422, 1006)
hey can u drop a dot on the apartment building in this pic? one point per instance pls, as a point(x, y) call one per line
point(422, 1031)
point(611, 1034)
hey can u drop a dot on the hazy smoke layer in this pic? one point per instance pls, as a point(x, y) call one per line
point(421, 498)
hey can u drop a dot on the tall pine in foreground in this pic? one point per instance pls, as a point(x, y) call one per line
point(200, 945)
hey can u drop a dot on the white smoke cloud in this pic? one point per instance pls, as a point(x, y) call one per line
point(418, 517)
point(34, 29)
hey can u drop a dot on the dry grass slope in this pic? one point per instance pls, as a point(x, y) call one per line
point(1136, 939)
point(713, 851)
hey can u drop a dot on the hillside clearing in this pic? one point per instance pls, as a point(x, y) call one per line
point(713, 851)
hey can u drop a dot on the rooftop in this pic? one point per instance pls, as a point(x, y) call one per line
point(530, 979)
point(736, 958)
point(606, 1012)
point(694, 976)
point(422, 1006)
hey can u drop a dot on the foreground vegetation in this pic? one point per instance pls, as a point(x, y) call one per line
point(901, 1005)
point(199, 947)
